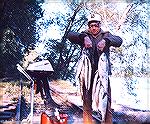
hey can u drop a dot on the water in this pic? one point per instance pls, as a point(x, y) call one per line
point(133, 92)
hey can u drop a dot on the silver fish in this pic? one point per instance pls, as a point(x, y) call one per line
point(83, 71)
point(100, 87)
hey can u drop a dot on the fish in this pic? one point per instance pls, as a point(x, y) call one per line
point(87, 74)
point(100, 82)
point(100, 87)
point(84, 70)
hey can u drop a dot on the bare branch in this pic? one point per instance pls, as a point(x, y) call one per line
point(70, 24)
point(124, 16)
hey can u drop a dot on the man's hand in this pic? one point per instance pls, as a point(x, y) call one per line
point(101, 44)
point(87, 42)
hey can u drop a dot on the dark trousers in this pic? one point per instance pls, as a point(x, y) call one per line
point(108, 119)
point(87, 106)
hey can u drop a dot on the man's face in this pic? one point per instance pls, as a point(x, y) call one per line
point(94, 27)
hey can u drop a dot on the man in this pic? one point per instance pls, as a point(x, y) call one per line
point(95, 43)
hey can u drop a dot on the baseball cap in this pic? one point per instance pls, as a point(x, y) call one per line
point(94, 17)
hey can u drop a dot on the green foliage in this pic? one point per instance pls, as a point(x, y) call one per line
point(17, 32)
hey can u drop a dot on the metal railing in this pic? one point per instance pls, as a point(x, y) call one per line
point(29, 118)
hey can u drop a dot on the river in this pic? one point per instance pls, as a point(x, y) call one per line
point(133, 92)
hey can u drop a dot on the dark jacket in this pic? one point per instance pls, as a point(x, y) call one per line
point(111, 40)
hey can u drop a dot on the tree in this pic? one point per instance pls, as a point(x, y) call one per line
point(17, 23)
point(60, 52)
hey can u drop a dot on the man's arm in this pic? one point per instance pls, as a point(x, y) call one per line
point(75, 37)
point(113, 40)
